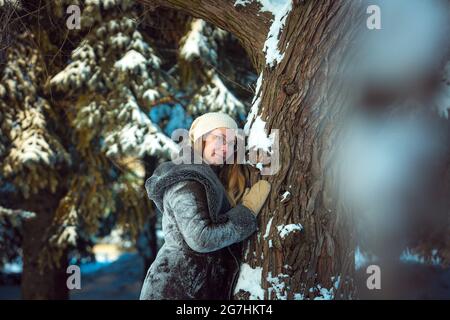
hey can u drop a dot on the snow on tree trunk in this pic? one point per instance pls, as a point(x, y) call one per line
point(306, 251)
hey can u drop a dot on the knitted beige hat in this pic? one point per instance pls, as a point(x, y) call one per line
point(210, 121)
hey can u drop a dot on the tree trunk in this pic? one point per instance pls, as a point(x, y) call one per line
point(317, 261)
point(49, 283)
point(297, 98)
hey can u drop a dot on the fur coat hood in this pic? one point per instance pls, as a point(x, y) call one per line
point(169, 173)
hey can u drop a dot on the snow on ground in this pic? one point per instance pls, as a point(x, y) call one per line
point(195, 42)
point(363, 259)
point(413, 281)
point(410, 256)
point(120, 280)
point(121, 277)
point(111, 277)
point(131, 61)
point(13, 267)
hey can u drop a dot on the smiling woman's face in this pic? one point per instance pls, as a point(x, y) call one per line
point(218, 146)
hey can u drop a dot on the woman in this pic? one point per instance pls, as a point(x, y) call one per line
point(207, 212)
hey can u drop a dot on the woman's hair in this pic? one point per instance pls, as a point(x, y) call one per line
point(232, 176)
point(234, 180)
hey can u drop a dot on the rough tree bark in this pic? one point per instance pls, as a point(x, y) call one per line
point(297, 99)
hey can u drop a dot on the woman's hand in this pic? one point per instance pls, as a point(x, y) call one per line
point(255, 197)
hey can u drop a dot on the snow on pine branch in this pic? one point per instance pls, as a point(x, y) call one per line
point(12, 214)
point(30, 146)
point(14, 3)
point(195, 43)
point(29, 150)
point(138, 136)
point(132, 61)
point(66, 232)
point(68, 236)
point(214, 96)
point(118, 122)
point(75, 74)
point(200, 42)
point(109, 4)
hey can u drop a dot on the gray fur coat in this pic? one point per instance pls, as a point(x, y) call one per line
point(200, 256)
